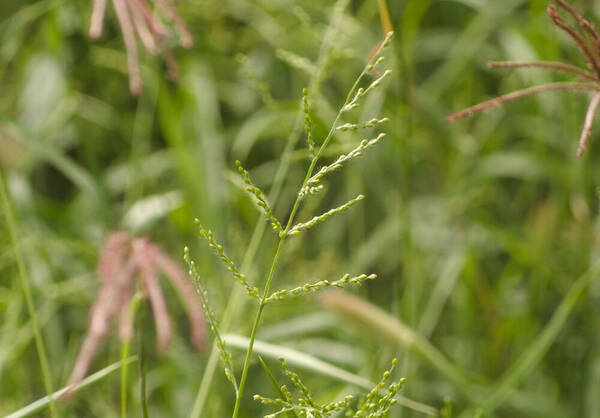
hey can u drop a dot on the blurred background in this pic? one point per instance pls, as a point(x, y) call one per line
point(479, 230)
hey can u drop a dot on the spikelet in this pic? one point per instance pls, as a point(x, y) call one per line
point(307, 123)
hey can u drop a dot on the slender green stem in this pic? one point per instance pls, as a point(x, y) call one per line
point(125, 346)
point(39, 341)
point(295, 207)
point(124, 356)
point(142, 364)
point(261, 307)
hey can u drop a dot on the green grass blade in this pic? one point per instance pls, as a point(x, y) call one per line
point(124, 356)
point(74, 171)
point(125, 346)
point(43, 403)
point(441, 292)
point(536, 351)
point(385, 325)
point(39, 340)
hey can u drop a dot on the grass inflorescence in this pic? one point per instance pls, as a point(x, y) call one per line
point(483, 235)
point(309, 186)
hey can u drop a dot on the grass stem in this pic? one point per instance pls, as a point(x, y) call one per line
point(39, 341)
point(125, 346)
point(124, 355)
point(142, 366)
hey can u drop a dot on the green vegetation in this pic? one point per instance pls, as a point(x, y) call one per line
point(482, 233)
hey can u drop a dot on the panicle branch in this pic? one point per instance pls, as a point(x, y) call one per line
point(295, 379)
point(585, 25)
point(376, 404)
point(353, 104)
point(352, 101)
point(314, 287)
point(261, 200)
point(522, 93)
point(337, 164)
point(229, 264)
point(546, 65)
point(589, 121)
point(296, 229)
point(224, 355)
point(355, 126)
point(580, 41)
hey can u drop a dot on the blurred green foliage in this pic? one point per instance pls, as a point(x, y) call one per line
point(476, 229)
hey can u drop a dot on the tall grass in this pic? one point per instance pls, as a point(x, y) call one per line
point(483, 232)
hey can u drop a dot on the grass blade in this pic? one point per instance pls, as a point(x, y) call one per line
point(382, 323)
point(41, 404)
point(39, 340)
point(536, 351)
